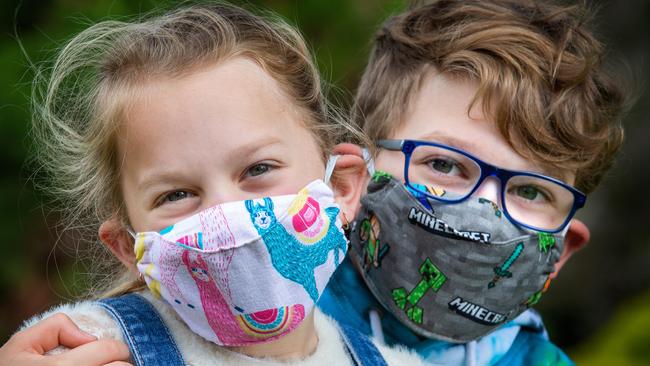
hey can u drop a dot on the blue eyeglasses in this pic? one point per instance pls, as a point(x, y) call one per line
point(530, 200)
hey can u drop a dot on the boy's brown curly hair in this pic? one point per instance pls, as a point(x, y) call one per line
point(539, 69)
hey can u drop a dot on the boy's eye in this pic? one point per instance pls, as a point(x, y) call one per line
point(445, 166)
point(530, 193)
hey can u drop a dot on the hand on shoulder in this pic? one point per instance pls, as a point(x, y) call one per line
point(29, 346)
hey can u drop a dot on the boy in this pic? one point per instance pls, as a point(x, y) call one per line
point(491, 119)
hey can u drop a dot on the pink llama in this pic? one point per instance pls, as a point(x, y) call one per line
point(217, 235)
point(167, 271)
point(214, 233)
point(217, 311)
point(234, 329)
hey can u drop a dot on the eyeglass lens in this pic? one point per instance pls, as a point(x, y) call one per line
point(530, 200)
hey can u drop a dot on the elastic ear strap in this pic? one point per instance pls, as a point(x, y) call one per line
point(130, 231)
point(565, 230)
point(329, 168)
point(370, 162)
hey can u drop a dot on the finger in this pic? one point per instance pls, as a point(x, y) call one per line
point(119, 363)
point(97, 353)
point(51, 332)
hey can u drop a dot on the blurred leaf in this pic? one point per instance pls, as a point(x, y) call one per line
point(624, 340)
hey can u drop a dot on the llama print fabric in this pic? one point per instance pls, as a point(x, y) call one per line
point(249, 271)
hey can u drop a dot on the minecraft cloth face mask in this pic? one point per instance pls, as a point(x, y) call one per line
point(246, 272)
point(448, 271)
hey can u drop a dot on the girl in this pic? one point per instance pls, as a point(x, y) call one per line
point(197, 143)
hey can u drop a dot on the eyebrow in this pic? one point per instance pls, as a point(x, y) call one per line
point(253, 146)
point(158, 177)
point(448, 140)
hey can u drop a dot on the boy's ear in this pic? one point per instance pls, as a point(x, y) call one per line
point(576, 238)
point(349, 178)
point(118, 241)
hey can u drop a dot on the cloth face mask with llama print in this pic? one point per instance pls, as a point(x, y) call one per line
point(249, 271)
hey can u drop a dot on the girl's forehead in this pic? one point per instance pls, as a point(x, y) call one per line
point(232, 96)
point(221, 111)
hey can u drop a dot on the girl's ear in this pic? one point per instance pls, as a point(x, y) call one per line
point(349, 178)
point(118, 241)
point(576, 238)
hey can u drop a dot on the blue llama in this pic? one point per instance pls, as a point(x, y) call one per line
point(291, 258)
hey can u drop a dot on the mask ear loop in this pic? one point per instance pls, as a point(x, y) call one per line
point(329, 168)
point(370, 162)
point(130, 230)
point(133, 234)
point(331, 163)
point(346, 223)
point(565, 230)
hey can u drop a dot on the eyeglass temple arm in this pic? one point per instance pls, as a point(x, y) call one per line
point(391, 144)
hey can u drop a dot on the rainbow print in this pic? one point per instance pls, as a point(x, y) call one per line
point(271, 322)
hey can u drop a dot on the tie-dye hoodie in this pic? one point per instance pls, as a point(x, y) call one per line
point(522, 341)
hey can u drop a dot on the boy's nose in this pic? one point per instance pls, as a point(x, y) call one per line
point(489, 189)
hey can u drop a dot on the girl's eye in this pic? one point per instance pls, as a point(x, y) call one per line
point(176, 196)
point(258, 169)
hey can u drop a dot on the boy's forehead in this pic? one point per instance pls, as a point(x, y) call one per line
point(483, 150)
point(444, 110)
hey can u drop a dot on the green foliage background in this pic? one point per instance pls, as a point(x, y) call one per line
point(598, 310)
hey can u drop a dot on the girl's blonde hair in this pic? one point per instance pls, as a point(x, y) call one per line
point(80, 101)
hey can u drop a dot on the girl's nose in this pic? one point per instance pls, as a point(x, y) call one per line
point(222, 192)
point(489, 189)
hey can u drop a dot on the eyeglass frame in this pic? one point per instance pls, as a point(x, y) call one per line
point(407, 146)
